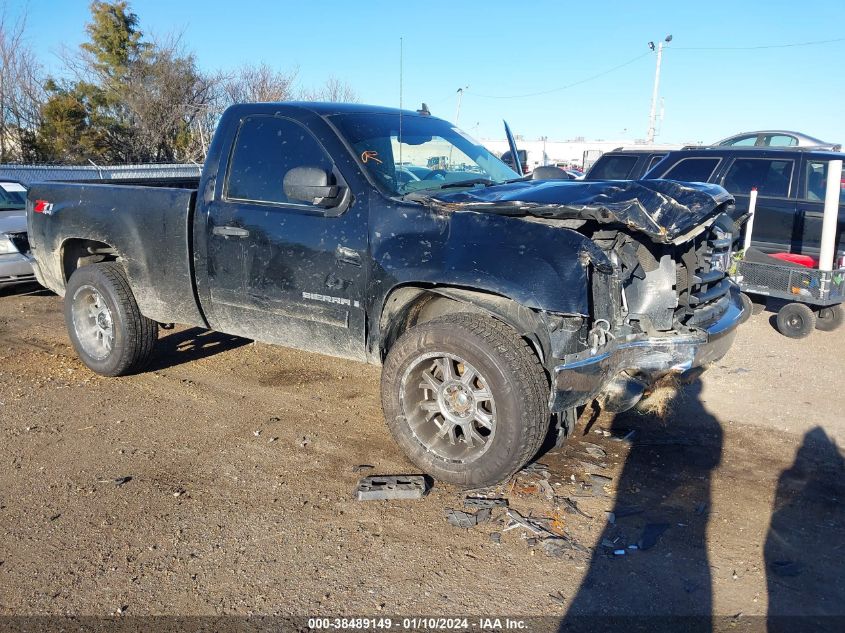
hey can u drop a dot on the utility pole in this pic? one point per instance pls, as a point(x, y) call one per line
point(653, 114)
point(460, 98)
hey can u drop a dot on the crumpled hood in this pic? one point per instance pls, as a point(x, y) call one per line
point(662, 209)
point(13, 221)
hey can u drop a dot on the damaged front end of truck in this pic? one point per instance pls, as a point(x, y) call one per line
point(659, 295)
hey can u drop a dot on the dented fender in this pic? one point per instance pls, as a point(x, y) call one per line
point(540, 266)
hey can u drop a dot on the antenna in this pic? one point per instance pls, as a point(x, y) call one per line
point(400, 98)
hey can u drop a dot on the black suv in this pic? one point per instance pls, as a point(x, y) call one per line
point(790, 190)
point(625, 164)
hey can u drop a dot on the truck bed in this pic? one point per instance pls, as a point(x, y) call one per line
point(147, 223)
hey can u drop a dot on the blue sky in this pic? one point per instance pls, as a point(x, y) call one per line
point(501, 49)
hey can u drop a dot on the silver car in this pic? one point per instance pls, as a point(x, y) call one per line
point(15, 258)
point(777, 138)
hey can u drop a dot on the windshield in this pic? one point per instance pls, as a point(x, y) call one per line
point(431, 153)
point(12, 196)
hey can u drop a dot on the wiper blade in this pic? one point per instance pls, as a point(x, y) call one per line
point(468, 183)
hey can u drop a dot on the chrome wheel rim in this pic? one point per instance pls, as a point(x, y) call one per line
point(92, 322)
point(449, 407)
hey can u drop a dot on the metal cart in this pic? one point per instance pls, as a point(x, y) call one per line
point(814, 296)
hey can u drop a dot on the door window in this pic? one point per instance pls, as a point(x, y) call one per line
point(770, 177)
point(780, 140)
point(265, 150)
point(693, 170)
point(613, 168)
point(815, 182)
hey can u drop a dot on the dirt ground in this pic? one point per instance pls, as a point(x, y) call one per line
point(221, 482)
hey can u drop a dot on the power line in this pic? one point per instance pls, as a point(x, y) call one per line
point(756, 48)
point(577, 83)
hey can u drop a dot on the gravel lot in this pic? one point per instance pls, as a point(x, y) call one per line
point(220, 482)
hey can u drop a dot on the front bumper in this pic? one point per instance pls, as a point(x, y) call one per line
point(16, 268)
point(582, 377)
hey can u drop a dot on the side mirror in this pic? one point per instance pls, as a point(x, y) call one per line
point(312, 185)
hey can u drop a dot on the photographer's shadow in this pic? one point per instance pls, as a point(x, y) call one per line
point(805, 546)
point(651, 560)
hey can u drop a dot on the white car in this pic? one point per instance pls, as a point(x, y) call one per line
point(15, 258)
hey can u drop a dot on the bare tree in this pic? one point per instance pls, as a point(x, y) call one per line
point(164, 95)
point(258, 83)
point(21, 91)
point(333, 90)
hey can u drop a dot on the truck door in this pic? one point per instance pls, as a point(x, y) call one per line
point(811, 207)
point(282, 271)
point(776, 225)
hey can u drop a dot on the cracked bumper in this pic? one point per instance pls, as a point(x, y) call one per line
point(582, 377)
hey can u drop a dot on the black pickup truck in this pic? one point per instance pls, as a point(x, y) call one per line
point(494, 303)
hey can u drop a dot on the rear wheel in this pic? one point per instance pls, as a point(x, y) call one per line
point(796, 320)
point(830, 318)
point(107, 329)
point(466, 399)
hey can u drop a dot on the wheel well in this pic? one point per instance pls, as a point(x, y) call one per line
point(81, 252)
point(411, 305)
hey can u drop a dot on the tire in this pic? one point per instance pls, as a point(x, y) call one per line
point(108, 331)
point(830, 318)
point(431, 424)
point(747, 307)
point(796, 320)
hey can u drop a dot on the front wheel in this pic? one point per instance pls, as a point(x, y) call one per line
point(466, 398)
point(796, 320)
point(108, 331)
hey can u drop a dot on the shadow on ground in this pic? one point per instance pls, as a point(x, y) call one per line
point(185, 346)
point(805, 546)
point(652, 561)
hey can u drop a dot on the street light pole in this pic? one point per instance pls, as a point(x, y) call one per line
point(460, 97)
point(653, 113)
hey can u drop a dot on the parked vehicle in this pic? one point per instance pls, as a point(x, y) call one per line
point(490, 301)
point(15, 260)
point(624, 164)
point(790, 190)
point(776, 138)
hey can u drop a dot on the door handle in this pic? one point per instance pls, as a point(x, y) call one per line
point(347, 256)
point(230, 231)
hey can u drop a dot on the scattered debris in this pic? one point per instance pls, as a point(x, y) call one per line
point(594, 450)
point(483, 515)
point(786, 568)
point(55, 517)
point(274, 419)
point(556, 547)
point(626, 511)
point(558, 597)
point(257, 433)
point(461, 519)
point(305, 441)
point(571, 506)
point(541, 470)
point(651, 534)
point(484, 502)
point(598, 482)
point(546, 488)
point(611, 517)
point(624, 436)
point(377, 487)
point(517, 520)
point(122, 480)
point(619, 552)
point(179, 492)
point(273, 439)
point(496, 537)
point(362, 467)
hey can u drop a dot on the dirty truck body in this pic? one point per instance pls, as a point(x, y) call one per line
point(492, 302)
